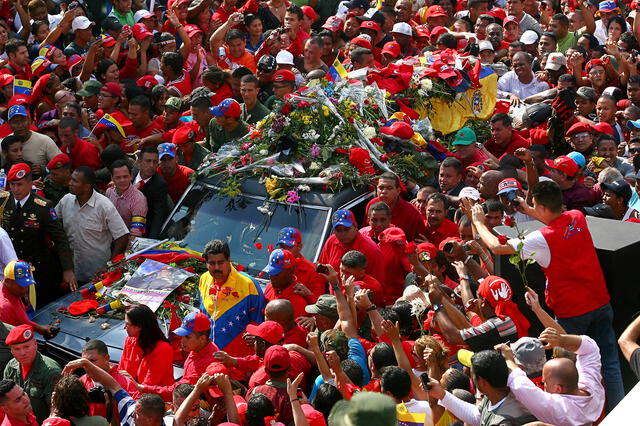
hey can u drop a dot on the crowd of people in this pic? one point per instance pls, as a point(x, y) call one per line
point(107, 109)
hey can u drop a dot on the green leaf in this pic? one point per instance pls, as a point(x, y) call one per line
point(514, 259)
point(530, 261)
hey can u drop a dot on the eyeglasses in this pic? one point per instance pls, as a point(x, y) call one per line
point(581, 135)
point(598, 72)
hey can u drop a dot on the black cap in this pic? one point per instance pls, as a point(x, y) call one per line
point(619, 187)
point(599, 210)
point(353, 4)
point(267, 63)
point(539, 113)
point(111, 23)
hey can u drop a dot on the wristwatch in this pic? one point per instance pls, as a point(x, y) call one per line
point(371, 308)
point(436, 307)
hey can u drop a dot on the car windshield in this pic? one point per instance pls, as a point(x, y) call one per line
point(203, 215)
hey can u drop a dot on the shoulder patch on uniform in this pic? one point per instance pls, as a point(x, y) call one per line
point(53, 214)
point(4, 194)
point(39, 201)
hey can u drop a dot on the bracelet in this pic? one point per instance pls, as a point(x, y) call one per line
point(371, 308)
point(179, 26)
point(464, 277)
point(294, 400)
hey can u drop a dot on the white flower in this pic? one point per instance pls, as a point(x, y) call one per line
point(417, 307)
point(263, 152)
point(369, 132)
point(426, 84)
point(304, 188)
point(127, 276)
point(263, 209)
point(314, 166)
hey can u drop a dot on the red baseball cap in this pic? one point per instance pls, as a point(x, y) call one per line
point(371, 25)
point(140, 31)
point(20, 334)
point(449, 239)
point(227, 108)
point(435, 33)
point(58, 161)
point(392, 48)
point(510, 18)
point(399, 129)
point(194, 322)
point(362, 42)
point(564, 164)
point(147, 81)
point(603, 128)
point(507, 185)
point(112, 88)
point(429, 249)
point(309, 13)
point(215, 368)
point(436, 12)
point(107, 40)
point(283, 75)
point(185, 133)
point(277, 358)
point(498, 12)
point(192, 30)
point(18, 100)
point(333, 24)
point(56, 421)
point(289, 236)
point(18, 171)
point(270, 331)
point(392, 234)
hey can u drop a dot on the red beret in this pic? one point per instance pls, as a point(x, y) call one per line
point(399, 129)
point(58, 161)
point(185, 133)
point(80, 307)
point(20, 334)
point(18, 171)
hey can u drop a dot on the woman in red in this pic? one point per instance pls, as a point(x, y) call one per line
point(147, 355)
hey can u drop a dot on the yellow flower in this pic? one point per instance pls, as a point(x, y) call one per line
point(271, 185)
point(325, 110)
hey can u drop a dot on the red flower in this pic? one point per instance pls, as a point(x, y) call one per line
point(214, 290)
point(350, 120)
point(239, 267)
point(384, 158)
point(235, 294)
point(377, 141)
point(258, 246)
point(286, 108)
point(303, 104)
point(508, 221)
point(190, 269)
point(270, 248)
point(502, 239)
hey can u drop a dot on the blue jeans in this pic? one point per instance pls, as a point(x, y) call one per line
point(598, 324)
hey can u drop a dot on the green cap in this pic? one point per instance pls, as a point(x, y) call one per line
point(365, 408)
point(465, 136)
point(174, 102)
point(90, 88)
point(325, 305)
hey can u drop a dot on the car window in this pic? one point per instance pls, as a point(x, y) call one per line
point(203, 216)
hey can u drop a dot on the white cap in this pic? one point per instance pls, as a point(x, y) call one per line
point(284, 57)
point(469, 192)
point(485, 45)
point(529, 37)
point(142, 14)
point(555, 61)
point(402, 28)
point(366, 37)
point(81, 23)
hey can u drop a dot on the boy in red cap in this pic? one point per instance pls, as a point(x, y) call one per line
point(227, 125)
point(284, 83)
point(277, 363)
point(34, 372)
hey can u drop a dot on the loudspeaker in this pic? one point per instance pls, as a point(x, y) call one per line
point(618, 248)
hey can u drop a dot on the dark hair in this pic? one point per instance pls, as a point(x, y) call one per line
point(147, 150)
point(517, 45)
point(448, 40)
point(6, 386)
point(494, 205)
point(389, 314)
point(13, 45)
point(36, 26)
point(214, 75)
point(258, 407)
point(68, 123)
point(609, 98)
point(380, 206)
point(605, 138)
point(74, 105)
point(620, 21)
point(152, 405)
point(593, 41)
point(250, 78)
point(562, 19)
point(353, 371)
point(216, 247)
point(70, 397)
point(96, 345)
point(568, 78)
point(634, 79)
point(463, 22)
point(536, 147)
point(580, 49)
point(142, 101)
point(241, 72)
point(474, 3)
point(316, 40)
point(436, 197)
point(358, 53)
point(174, 61)
point(249, 18)
point(382, 355)
point(102, 68)
point(548, 194)
point(464, 395)
point(326, 397)
point(505, 119)
point(396, 381)
point(456, 379)
point(88, 175)
point(182, 390)
point(454, 163)
point(354, 259)
point(234, 34)
point(120, 163)
point(8, 141)
point(486, 17)
point(629, 38)
point(150, 334)
point(297, 10)
point(491, 366)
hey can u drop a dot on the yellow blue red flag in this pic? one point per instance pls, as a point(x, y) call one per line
point(22, 87)
point(109, 121)
point(336, 71)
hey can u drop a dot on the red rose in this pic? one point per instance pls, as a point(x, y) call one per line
point(235, 294)
point(508, 221)
point(258, 246)
point(502, 239)
point(239, 267)
point(270, 248)
point(377, 141)
point(384, 158)
point(350, 120)
point(303, 104)
point(190, 269)
point(286, 108)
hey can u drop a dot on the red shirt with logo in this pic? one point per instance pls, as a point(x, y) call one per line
point(405, 216)
point(299, 302)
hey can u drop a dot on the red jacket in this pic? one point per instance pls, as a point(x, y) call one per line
point(155, 368)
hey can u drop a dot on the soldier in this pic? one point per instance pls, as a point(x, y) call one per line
point(32, 223)
point(56, 184)
point(42, 372)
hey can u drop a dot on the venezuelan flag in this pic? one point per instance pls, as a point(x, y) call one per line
point(108, 121)
point(231, 306)
point(22, 87)
point(405, 418)
point(336, 71)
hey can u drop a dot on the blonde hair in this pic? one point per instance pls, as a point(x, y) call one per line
point(440, 352)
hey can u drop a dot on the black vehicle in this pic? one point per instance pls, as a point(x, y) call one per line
point(204, 214)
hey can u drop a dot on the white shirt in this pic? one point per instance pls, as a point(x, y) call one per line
point(7, 252)
point(91, 229)
point(23, 201)
point(138, 178)
point(509, 83)
point(535, 247)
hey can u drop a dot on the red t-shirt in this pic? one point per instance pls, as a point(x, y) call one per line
point(297, 335)
point(446, 229)
point(405, 216)
point(333, 251)
point(84, 153)
point(299, 364)
point(307, 275)
point(396, 268)
point(134, 133)
point(478, 158)
point(499, 151)
point(181, 84)
point(178, 183)
point(299, 302)
point(296, 46)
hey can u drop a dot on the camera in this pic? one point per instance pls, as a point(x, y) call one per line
point(97, 394)
point(322, 269)
point(425, 379)
point(511, 198)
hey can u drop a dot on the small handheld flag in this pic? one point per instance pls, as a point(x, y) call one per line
point(108, 121)
point(336, 71)
point(22, 87)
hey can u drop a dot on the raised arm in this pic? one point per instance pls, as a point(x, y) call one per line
point(94, 372)
point(488, 238)
point(217, 38)
point(533, 301)
point(347, 321)
point(628, 340)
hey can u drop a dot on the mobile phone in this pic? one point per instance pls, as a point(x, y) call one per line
point(322, 269)
point(425, 379)
point(511, 198)
point(126, 28)
point(73, 5)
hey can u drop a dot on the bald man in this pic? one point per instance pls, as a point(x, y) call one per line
point(573, 392)
point(488, 185)
point(281, 311)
